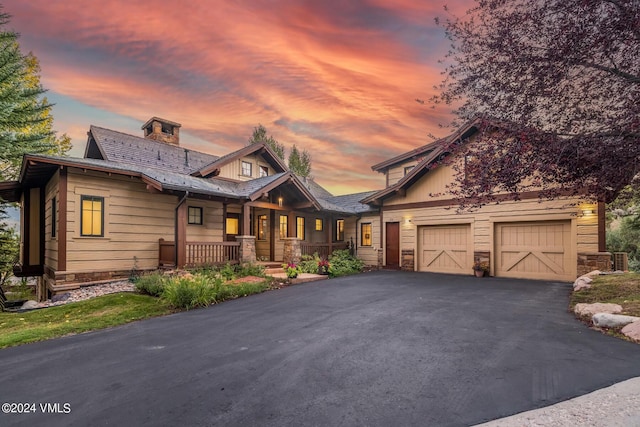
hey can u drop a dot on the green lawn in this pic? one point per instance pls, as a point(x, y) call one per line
point(623, 289)
point(73, 318)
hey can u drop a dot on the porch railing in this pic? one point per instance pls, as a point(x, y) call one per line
point(200, 253)
point(207, 253)
point(322, 249)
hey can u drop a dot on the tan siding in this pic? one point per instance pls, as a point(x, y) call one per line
point(212, 222)
point(483, 221)
point(396, 173)
point(134, 221)
point(369, 254)
point(432, 186)
point(51, 245)
point(233, 170)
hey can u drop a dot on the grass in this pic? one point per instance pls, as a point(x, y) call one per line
point(96, 313)
point(622, 289)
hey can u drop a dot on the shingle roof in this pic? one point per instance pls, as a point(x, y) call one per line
point(133, 150)
point(350, 203)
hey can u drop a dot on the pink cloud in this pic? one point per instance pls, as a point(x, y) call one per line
point(335, 79)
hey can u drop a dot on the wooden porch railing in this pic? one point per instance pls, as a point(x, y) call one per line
point(208, 253)
point(322, 249)
point(201, 253)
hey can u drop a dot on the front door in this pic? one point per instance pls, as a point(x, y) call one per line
point(392, 247)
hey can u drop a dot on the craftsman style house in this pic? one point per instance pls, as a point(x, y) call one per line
point(143, 202)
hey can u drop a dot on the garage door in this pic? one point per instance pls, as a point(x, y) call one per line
point(446, 249)
point(537, 250)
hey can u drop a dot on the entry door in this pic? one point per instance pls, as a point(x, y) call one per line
point(392, 247)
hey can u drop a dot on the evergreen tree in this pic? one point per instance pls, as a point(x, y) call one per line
point(300, 163)
point(260, 135)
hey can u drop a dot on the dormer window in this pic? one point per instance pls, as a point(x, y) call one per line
point(246, 169)
point(264, 171)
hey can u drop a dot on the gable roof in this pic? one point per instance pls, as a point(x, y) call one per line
point(438, 150)
point(120, 147)
point(413, 154)
point(213, 168)
point(349, 203)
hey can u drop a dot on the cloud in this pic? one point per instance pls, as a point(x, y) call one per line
point(336, 78)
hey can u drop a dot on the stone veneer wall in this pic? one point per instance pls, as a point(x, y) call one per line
point(247, 250)
point(589, 261)
point(407, 261)
point(292, 250)
point(482, 256)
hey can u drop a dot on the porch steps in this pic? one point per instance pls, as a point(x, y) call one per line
point(273, 270)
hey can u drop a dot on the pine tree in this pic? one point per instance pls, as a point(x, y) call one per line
point(260, 135)
point(300, 163)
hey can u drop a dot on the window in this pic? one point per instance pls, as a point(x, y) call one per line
point(283, 226)
point(54, 217)
point(246, 169)
point(365, 234)
point(264, 171)
point(232, 225)
point(319, 225)
point(195, 215)
point(91, 216)
point(300, 227)
point(262, 227)
point(340, 230)
point(408, 169)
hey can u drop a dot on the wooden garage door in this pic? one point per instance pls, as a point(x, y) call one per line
point(446, 249)
point(537, 250)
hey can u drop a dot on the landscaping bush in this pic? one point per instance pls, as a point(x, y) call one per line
point(309, 263)
point(342, 263)
point(249, 269)
point(151, 284)
point(626, 238)
point(190, 292)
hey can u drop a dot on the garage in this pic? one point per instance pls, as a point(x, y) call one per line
point(446, 248)
point(535, 250)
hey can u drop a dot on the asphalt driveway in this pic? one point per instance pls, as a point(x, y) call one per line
point(381, 348)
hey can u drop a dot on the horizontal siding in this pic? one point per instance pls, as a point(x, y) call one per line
point(50, 244)
point(369, 254)
point(396, 173)
point(134, 221)
point(482, 221)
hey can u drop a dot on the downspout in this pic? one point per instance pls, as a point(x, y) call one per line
point(175, 227)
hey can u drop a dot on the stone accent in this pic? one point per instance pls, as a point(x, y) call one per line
point(632, 330)
point(589, 261)
point(608, 320)
point(58, 282)
point(380, 259)
point(247, 252)
point(583, 309)
point(292, 250)
point(407, 260)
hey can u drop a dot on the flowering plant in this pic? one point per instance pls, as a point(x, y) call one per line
point(323, 266)
point(481, 266)
point(292, 270)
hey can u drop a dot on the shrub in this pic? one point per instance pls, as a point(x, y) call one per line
point(151, 284)
point(309, 263)
point(191, 292)
point(249, 269)
point(342, 263)
point(626, 238)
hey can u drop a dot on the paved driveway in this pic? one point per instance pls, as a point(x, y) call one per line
point(382, 348)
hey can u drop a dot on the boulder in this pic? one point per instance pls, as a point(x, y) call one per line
point(61, 297)
point(592, 274)
point(608, 320)
point(582, 282)
point(632, 330)
point(29, 305)
point(583, 309)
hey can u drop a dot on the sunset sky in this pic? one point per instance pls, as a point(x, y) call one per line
point(338, 78)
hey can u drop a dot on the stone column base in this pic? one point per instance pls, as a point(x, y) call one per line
point(292, 250)
point(247, 250)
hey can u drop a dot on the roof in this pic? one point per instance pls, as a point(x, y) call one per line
point(213, 168)
point(413, 154)
point(438, 150)
point(350, 203)
point(158, 119)
point(137, 151)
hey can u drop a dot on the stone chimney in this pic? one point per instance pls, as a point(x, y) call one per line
point(162, 130)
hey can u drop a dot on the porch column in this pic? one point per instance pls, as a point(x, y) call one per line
point(246, 220)
point(293, 227)
point(329, 237)
point(181, 235)
point(292, 250)
point(247, 250)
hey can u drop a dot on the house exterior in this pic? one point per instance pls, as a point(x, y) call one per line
point(418, 226)
point(138, 203)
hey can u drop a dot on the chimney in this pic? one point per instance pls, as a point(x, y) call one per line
point(162, 130)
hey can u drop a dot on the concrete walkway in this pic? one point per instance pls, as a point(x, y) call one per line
point(615, 406)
